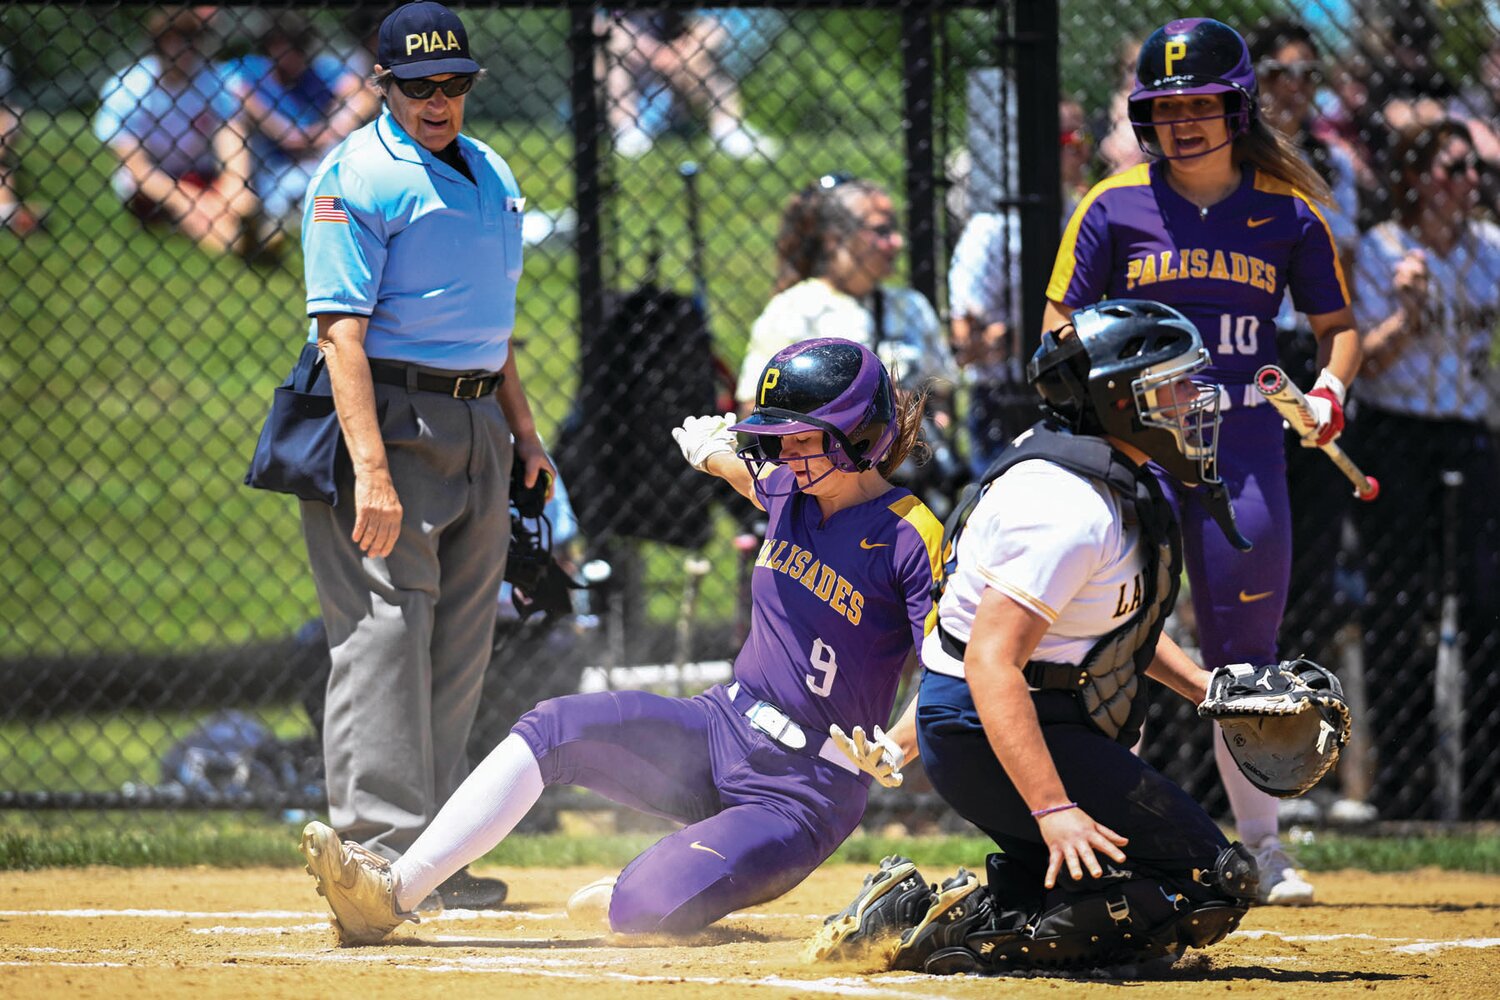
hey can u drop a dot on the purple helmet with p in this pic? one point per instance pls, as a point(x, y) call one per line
point(828, 385)
point(1189, 57)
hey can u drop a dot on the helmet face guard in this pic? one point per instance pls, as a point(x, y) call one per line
point(1190, 57)
point(1192, 421)
point(830, 386)
point(1127, 373)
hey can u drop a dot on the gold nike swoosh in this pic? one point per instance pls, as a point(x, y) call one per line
point(865, 543)
point(1253, 223)
point(1252, 598)
point(698, 845)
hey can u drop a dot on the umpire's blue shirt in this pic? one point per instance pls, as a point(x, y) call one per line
point(391, 232)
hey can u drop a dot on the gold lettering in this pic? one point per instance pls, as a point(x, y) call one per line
point(856, 608)
point(1219, 271)
point(810, 578)
point(840, 593)
point(765, 550)
point(798, 562)
point(1271, 278)
point(826, 579)
point(452, 40)
point(434, 43)
point(1148, 270)
point(1132, 272)
point(1167, 274)
point(1258, 273)
point(1198, 263)
point(772, 562)
point(413, 43)
point(1239, 266)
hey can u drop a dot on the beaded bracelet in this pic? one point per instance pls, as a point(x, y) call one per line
point(1039, 813)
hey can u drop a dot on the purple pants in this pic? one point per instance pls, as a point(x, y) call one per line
point(760, 817)
point(1239, 597)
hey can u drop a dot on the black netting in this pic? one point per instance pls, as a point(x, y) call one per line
point(149, 594)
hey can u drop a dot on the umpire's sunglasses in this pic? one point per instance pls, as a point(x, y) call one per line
point(422, 89)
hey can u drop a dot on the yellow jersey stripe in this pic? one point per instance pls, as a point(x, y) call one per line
point(915, 513)
point(1275, 185)
point(1067, 261)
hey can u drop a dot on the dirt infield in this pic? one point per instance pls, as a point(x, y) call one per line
point(261, 933)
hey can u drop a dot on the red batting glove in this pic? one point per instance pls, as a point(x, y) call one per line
point(1329, 412)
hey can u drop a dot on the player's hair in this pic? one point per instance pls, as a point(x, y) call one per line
point(1416, 147)
point(911, 407)
point(1270, 151)
point(819, 211)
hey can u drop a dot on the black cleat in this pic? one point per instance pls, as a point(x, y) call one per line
point(890, 901)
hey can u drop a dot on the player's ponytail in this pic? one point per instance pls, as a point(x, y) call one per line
point(911, 407)
point(1270, 151)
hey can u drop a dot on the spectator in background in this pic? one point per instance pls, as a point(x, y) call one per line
point(15, 214)
point(984, 282)
point(684, 51)
point(172, 122)
point(1429, 302)
point(298, 106)
point(1118, 148)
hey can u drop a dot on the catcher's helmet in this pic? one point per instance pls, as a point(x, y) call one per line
point(1118, 375)
point(829, 385)
point(1195, 55)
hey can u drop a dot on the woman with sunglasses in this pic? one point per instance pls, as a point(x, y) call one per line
point(1220, 225)
point(770, 772)
point(1430, 303)
point(412, 241)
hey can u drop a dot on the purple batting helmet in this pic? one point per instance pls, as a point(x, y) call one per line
point(1194, 55)
point(830, 385)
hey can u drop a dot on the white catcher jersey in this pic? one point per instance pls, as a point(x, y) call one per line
point(1052, 541)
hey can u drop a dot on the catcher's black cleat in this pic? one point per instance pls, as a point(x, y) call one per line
point(891, 900)
point(961, 906)
point(464, 891)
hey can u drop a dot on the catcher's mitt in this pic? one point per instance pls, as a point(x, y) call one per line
point(1284, 724)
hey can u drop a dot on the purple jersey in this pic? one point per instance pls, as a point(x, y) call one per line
point(839, 605)
point(1226, 268)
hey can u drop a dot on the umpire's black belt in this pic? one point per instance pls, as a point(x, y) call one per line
point(1039, 674)
point(457, 386)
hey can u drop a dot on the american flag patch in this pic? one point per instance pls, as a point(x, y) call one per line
point(327, 208)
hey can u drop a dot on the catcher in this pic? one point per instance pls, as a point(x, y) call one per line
point(1063, 565)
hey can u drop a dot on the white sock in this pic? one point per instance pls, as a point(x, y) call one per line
point(486, 807)
point(1254, 810)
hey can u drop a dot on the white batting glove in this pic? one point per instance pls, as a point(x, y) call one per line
point(879, 757)
point(701, 438)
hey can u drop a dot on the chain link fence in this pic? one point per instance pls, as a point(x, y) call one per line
point(158, 634)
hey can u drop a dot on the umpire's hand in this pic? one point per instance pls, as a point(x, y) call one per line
point(377, 513)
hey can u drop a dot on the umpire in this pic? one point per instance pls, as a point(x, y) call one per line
point(412, 238)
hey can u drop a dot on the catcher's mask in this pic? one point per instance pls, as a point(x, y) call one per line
point(830, 385)
point(1195, 55)
point(1124, 370)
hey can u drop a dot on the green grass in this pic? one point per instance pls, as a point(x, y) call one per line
point(44, 840)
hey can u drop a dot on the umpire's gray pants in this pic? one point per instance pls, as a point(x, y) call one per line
point(411, 634)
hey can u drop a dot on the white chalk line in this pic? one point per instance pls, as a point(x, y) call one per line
point(1430, 946)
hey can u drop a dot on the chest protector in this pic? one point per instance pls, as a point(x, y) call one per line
point(1108, 682)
